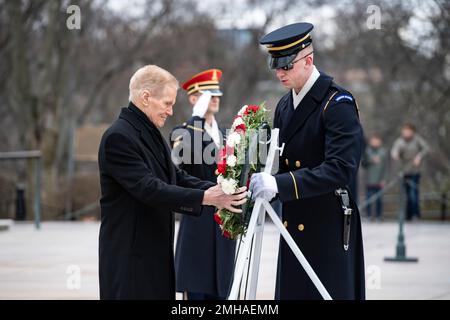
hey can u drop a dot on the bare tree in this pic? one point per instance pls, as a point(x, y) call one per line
point(53, 79)
point(405, 79)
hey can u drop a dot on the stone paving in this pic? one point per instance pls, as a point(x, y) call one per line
point(48, 263)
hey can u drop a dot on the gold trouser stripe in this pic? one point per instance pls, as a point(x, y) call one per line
point(295, 184)
point(195, 128)
point(288, 45)
point(326, 106)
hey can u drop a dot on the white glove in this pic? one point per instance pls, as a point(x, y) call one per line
point(263, 185)
point(201, 106)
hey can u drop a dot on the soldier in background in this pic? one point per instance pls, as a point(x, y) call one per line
point(204, 259)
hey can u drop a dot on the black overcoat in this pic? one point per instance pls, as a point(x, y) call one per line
point(140, 190)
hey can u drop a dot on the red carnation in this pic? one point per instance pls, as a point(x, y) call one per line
point(251, 109)
point(241, 127)
point(222, 167)
point(254, 108)
point(226, 234)
point(217, 218)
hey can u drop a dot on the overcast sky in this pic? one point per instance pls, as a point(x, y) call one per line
point(235, 14)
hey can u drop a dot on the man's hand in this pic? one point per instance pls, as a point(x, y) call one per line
point(417, 161)
point(201, 106)
point(376, 159)
point(263, 185)
point(214, 196)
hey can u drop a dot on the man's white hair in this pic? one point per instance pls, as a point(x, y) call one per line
point(152, 78)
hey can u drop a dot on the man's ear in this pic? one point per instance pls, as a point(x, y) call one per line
point(310, 60)
point(145, 96)
point(193, 99)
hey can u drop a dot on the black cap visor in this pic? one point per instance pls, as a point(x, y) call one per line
point(280, 62)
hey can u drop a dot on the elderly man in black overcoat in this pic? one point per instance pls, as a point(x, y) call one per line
point(141, 188)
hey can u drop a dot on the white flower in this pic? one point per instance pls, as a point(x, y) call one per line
point(231, 160)
point(233, 139)
point(241, 112)
point(228, 185)
point(219, 179)
point(237, 121)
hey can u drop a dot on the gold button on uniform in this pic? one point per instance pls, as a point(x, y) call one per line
point(285, 224)
point(287, 162)
point(301, 227)
point(297, 164)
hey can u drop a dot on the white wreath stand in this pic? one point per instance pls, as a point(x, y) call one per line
point(253, 237)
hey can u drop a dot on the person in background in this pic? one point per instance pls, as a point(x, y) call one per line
point(409, 150)
point(375, 163)
point(204, 258)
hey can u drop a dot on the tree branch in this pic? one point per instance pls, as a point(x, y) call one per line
point(124, 61)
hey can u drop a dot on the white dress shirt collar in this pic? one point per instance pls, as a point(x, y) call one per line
point(213, 131)
point(297, 98)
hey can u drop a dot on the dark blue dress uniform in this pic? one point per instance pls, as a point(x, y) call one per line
point(204, 258)
point(323, 141)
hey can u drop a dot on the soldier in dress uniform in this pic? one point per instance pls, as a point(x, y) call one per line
point(204, 259)
point(323, 141)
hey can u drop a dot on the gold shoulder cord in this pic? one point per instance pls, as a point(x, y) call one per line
point(195, 128)
point(331, 97)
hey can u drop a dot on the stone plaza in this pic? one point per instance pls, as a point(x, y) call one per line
point(60, 261)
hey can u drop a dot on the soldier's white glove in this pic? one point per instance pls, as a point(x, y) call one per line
point(263, 185)
point(201, 106)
